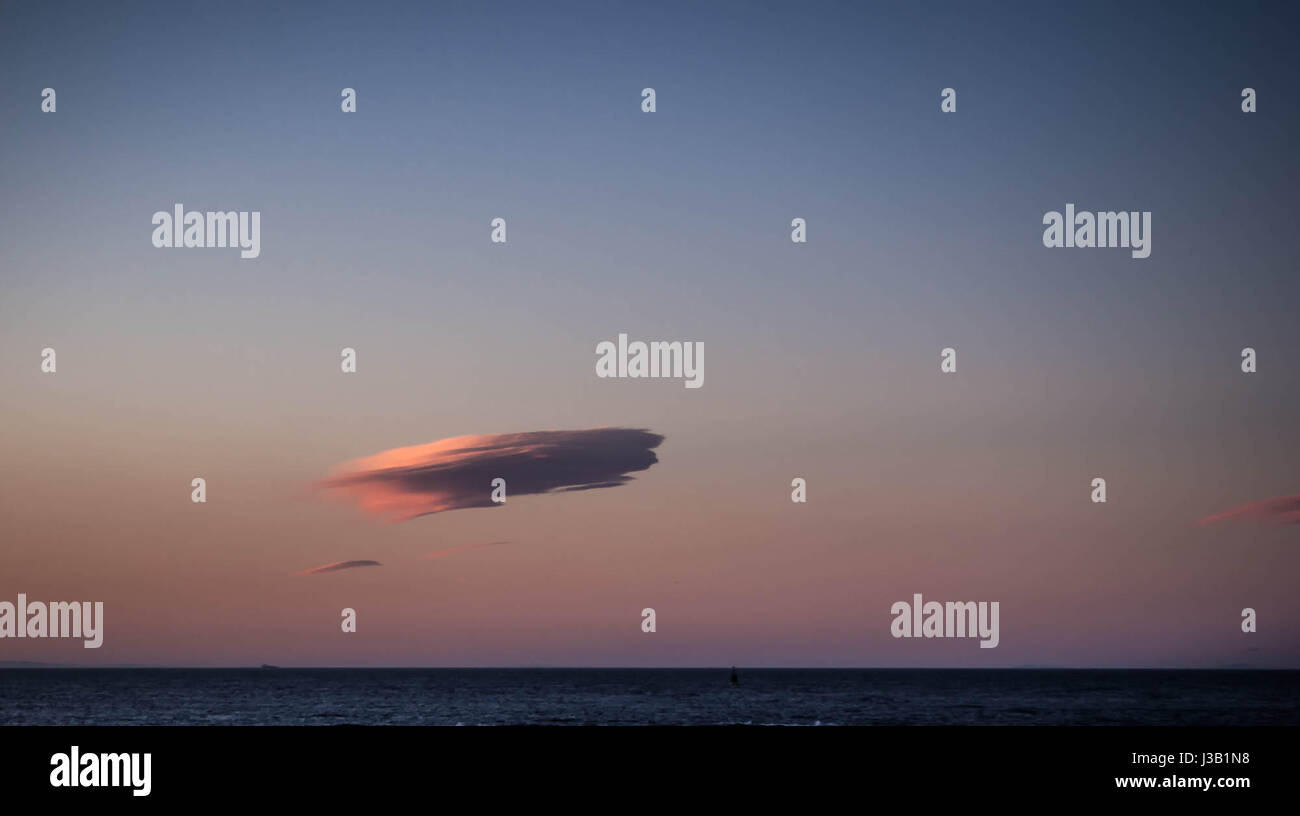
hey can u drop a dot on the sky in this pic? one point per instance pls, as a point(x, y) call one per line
point(924, 232)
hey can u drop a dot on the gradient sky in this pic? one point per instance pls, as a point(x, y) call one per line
point(822, 359)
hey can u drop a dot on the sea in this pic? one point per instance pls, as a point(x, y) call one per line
point(762, 697)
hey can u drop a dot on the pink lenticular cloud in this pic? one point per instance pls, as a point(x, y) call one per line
point(457, 473)
point(339, 565)
point(1281, 510)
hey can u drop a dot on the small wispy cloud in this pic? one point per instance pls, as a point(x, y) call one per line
point(441, 553)
point(457, 473)
point(1281, 510)
point(339, 565)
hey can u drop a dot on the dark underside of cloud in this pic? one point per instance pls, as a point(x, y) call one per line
point(457, 473)
point(339, 565)
point(1281, 510)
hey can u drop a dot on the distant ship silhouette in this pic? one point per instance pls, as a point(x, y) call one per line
point(735, 681)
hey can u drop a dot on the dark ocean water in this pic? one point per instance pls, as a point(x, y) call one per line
point(646, 697)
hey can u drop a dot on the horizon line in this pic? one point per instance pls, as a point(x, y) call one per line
point(29, 665)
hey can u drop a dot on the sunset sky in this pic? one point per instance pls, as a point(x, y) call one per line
point(924, 231)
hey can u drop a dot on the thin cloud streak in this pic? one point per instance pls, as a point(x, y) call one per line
point(457, 473)
point(1281, 510)
point(339, 565)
